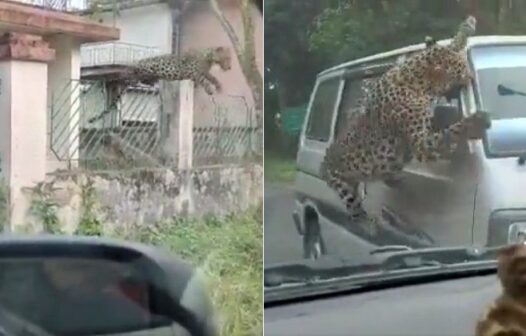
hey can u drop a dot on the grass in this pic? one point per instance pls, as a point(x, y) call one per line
point(279, 169)
point(230, 251)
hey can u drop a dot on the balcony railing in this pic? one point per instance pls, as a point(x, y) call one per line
point(114, 53)
point(59, 5)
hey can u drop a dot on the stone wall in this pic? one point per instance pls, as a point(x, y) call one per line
point(148, 196)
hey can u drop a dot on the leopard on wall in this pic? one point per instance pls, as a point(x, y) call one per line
point(394, 122)
point(194, 65)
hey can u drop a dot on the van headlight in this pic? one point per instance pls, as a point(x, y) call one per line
point(506, 226)
point(517, 233)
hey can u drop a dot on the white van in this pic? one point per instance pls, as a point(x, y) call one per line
point(477, 198)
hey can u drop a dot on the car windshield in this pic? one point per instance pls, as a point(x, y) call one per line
point(341, 199)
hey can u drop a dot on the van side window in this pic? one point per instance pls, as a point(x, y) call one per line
point(352, 91)
point(321, 111)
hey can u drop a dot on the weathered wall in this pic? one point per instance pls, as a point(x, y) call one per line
point(201, 29)
point(148, 196)
point(147, 26)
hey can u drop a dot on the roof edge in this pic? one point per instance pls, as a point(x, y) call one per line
point(476, 40)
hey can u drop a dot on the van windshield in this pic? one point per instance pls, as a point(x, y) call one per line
point(500, 75)
point(501, 91)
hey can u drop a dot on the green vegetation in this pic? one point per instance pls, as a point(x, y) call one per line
point(45, 208)
point(89, 224)
point(327, 32)
point(292, 119)
point(308, 36)
point(279, 169)
point(230, 251)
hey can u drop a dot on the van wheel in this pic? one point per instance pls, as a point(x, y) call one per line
point(313, 244)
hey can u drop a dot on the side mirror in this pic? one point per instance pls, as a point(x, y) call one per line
point(66, 285)
point(445, 115)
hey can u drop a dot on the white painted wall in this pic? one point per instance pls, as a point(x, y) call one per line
point(201, 29)
point(147, 25)
point(63, 74)
point(5, 119)
point(22, 108)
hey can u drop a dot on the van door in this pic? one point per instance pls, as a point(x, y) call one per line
point(317, 131)
point(338, 95)
point(436, 197)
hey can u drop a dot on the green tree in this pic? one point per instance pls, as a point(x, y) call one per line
point(303, 37)
point(291, 66)
point(355, 29)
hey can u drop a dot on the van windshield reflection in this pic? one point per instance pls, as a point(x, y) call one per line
point(501, 89)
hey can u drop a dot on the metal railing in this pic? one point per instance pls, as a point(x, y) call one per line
point(102, 125)
point(216, 145)
point(59, 5)
point(231, 133)
point(114, 53)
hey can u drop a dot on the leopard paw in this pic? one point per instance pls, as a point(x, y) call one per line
point(208, 90)
point(219, 88)
point(477, 124)
point(445, 152)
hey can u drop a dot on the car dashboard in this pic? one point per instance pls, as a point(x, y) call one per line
point(441, 308)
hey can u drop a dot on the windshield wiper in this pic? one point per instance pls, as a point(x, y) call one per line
point(389, 259)
point(313, 279)
point(376, 281)
point(391, 248)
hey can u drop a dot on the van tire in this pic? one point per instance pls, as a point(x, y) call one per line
point(313, 243)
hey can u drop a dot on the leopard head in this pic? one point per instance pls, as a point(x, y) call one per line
point(446, 68)
point(447, 65)
point(466, 29)
point(222, 57)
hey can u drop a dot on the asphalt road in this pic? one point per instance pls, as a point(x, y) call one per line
point(284, 244)
point(282, 241)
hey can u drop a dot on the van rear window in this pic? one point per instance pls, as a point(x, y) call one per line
point(322, 110)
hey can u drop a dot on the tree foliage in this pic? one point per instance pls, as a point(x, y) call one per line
point(356, 29)
point(303, 37)
point(289, 63)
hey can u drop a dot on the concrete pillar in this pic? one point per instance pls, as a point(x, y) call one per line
point(185, 120)
point(23, 122)
point(178, 113)
point(64, 98)
point(167, 122)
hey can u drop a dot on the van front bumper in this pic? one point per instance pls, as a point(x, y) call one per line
point(506, 226)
